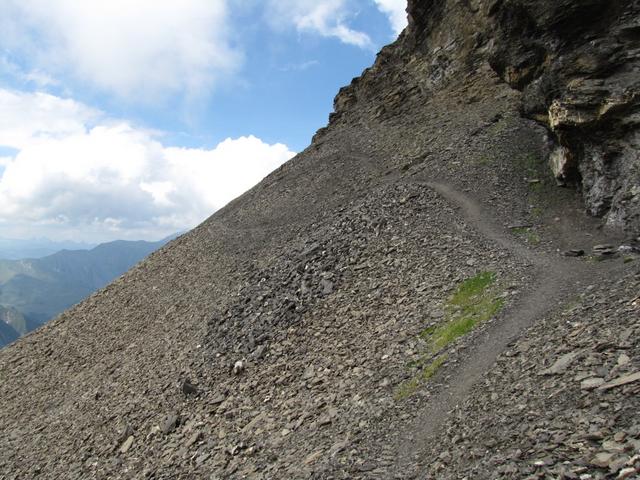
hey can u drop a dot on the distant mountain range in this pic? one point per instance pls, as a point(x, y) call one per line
point(16, 249)
point(33, 291)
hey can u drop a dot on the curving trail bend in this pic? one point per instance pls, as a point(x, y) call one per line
point(555, 278)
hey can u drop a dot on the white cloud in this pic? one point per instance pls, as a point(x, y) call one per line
point(27, 117)
point(140, 48)
point(300, 67)
point(396, 11)
point(112, 180)
point(324, 17)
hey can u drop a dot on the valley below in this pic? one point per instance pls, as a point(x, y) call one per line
point(33, 291)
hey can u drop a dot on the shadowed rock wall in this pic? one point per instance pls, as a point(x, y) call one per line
point(575, 62)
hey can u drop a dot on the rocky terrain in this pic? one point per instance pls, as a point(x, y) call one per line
point(413, 296)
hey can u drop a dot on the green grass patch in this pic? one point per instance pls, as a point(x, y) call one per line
point(471, 288)
point(408, 388)
point(473, 302)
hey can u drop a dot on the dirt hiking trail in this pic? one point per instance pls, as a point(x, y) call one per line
point(556, 279)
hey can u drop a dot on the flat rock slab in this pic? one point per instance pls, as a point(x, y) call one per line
point(619, 382)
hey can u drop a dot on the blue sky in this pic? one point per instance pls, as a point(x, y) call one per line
point(129, 119)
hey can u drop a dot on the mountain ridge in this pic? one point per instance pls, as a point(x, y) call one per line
point(38, 289)
point(17, 249)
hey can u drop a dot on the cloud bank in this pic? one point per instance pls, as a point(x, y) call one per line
point(78, 175)
point(147, 50)
point(140, 48)
point(27, 117)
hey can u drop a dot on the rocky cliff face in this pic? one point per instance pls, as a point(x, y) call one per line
point(356, 314)
point(576, 65)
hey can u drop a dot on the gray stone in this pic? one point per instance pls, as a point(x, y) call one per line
point(562, 363)
point(327, 286)
point(591, 383)
point(193, 439)
point(613, 446)
point(238, 367)
point(623, 360)
point(309, 373)
point(124, 448)
point(170, 423)
point(621, 381)
point(188, 388)
point(628, 472)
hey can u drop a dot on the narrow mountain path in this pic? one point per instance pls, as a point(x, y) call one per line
point(555, 279)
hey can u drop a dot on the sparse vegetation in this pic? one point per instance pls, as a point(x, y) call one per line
point(529, 164)
point(542, 190)
point(473, 302)
point(572, 305)
point(408, 388)
point(535, 186)
point(485, 160)
point(536, 212)
point(529, 235)
point(471, 288)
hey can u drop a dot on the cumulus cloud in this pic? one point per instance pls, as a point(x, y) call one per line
point(140, 48)
point(108, 179)
point(324, 17)
point(396, 11)
point(27, 117)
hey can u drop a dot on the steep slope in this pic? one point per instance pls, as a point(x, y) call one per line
point(321, 325)
point(577, 389)
point(43, 287)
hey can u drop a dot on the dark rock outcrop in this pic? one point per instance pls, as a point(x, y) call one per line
point(576, 64)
